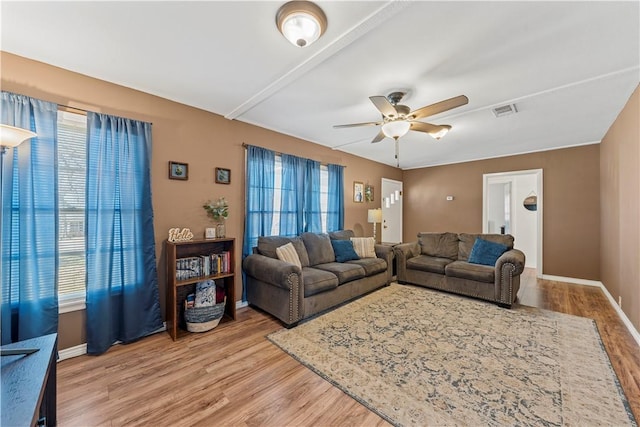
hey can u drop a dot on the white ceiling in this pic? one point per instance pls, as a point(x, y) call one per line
point(568, 66)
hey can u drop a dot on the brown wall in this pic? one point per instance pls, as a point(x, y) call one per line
point(185, 134)
point(571, 212)
point(620, 209)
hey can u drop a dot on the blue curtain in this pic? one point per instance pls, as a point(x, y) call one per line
point(292, 201)
point(311, 188)
point(122, 282)
point(260, 182)
point(335, 202)
point(29, 193)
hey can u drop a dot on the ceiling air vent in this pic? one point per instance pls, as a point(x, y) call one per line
point(504, 110)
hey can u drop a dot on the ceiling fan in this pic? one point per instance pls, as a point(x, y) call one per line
point(398, 119)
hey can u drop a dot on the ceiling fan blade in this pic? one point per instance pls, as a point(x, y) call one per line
point(352, 125)
point(386, 108)
point(439, 107)
point(379, 137)
point(425, 127)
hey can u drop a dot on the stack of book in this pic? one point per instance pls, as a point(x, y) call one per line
point(202, 266)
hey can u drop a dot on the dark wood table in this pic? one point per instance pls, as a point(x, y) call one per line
point(28, 396)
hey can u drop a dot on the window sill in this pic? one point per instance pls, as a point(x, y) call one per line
point(71, 303)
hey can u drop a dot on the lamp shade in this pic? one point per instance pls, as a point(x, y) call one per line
point(396, 129)
point(301, 22)
point(11, 136)
point(374, 215)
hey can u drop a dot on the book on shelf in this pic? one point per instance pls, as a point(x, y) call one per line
point(203, 265)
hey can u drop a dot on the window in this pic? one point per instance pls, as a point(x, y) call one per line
point(72, 172)
point(277, 196)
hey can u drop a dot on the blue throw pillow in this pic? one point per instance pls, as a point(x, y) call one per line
point(486, 253)
point(344, 250)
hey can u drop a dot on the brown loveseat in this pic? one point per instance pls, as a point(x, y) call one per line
point(293, 293)
point(441, 261)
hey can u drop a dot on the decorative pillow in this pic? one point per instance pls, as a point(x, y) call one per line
point(486, 253)
point(318, 247)
point(364, 246)
point(205, 294)
point(344, 250)
point(287, 253)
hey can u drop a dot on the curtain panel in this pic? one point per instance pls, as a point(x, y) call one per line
point(122, 282)
point(29, 200)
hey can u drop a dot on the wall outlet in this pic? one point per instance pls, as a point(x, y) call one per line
point(449, 198)
point(620, 300)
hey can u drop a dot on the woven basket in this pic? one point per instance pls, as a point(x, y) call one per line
point(202, 319)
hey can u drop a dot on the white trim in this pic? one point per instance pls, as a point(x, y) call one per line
point(598, 284)
point(538, 173)
point(68, 305)
point(70, 352)
point(241, 304)
point(573, 280)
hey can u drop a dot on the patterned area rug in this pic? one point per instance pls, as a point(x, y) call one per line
point(419, 357)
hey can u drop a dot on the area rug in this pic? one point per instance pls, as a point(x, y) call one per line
point(418, 357)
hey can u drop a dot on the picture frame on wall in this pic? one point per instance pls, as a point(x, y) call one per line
point(368, 193)
point(178, 170)
point(223, 176)
point(358, 192)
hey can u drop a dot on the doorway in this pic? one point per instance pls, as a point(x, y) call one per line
point(507, 209)
point(391, 193)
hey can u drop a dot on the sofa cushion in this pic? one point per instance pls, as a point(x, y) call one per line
point(466, 270)
point(486, 253)
point(316, 281)
point(371, 265)
point(344, 250)
point(341, 235)
point(318, 247)
point(440, 245)
point(267, 246)
point(428, 263)
point(365, 246)
point(345, 272)
point(468, 240)
point(287, 253)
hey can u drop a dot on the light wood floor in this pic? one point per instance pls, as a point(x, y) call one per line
point(234, 376)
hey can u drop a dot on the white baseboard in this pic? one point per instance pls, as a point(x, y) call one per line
point(612, 301)
point(70, 352)
point(241, 304)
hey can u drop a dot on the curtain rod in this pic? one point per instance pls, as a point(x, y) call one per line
point(77, 110)
point(245, 145)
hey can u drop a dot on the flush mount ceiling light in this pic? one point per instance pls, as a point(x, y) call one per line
point(301, 22)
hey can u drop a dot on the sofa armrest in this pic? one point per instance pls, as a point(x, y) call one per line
point(513, 256)
point(387, 253)
point(271, 270)
point(404, 252)
point(509, 267)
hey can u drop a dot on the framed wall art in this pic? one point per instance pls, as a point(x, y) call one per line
point(178, 171)
point(368, 193)
point(223, 176)
point(358, 192)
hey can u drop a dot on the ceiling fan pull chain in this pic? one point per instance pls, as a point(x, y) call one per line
point(397, 154)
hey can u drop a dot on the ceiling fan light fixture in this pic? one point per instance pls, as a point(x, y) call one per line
point(442, 132)
point(396, 129)
point(301, 22)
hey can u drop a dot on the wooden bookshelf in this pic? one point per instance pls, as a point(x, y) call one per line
point(177, 290)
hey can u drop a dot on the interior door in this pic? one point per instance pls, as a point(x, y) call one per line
point(391, 210)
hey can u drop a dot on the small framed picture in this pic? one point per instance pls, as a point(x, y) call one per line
point(358, 192)
point(368, 193)
point(178, 170)
point(209, 233)
point(223, 176)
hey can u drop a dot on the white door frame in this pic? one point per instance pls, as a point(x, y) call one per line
point(385, 184)
point(538, 175)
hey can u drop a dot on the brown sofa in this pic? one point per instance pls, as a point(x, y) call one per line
point(292, 294)
point(441, 261)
